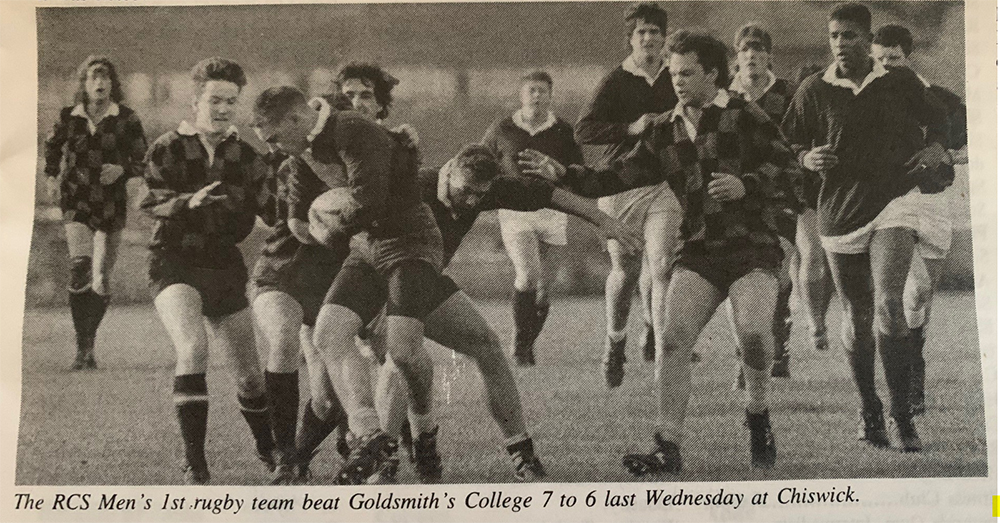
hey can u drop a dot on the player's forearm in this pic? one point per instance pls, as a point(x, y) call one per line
point(592, 131)
point(584, 208)
point(300, 230)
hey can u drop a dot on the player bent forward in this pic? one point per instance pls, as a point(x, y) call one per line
point(727, 163)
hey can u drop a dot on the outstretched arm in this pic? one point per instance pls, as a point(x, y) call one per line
point(586, 209)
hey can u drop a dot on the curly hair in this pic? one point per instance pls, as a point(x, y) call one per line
point(80, 96)
point(373, 76)
point(478, 162)
point(220, 69)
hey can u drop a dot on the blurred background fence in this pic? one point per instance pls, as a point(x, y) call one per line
point(458, 65)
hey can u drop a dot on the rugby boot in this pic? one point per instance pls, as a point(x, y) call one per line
point(906, 431)
point(762, 449)
point(665, 458)
point(367, 459)
point(527, 466)
point(196, 475)
point(427, 461)
point(871, 428)
point(917, 374)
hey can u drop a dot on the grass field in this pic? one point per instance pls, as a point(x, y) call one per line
point(116, 425)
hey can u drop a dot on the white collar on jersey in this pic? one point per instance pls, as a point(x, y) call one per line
point(831, 77)
point(325, 110)
point(521, 122)
point(630, 66)
point(81, 111)
point(738, 85)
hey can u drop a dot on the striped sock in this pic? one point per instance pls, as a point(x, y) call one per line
point(191, 402)
point(255, 411)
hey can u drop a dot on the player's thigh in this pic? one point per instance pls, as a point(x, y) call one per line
point(458, 325)
point(79, 239)
point(233, 334)
point(278, 316)
point(622, 260)
point(891, 254)
point(691, 302)
point(851, 274)
point(808, 243)
point(661, 239)
point(106, 249)
point(753, 298)
point(522, 248)
point(180, 309)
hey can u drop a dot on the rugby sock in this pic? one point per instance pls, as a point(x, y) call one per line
point(315, 430)
point(896, 359)
point(673, 381)
point(616, 336)
point(917, 376)
point(255, 411)
point(523, 446)
point(781, 327)
point(79, 303)
point(541, 314)
point(756, 389)
point(862, 361)
point(283, 391)
point(513, 441)
point(420, 423)
point(525, 317)
point(649, 345)
point(191, 402)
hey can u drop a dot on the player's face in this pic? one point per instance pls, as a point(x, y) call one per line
point(97, 85)
point(849, 43)
point(290, 135)
point(694, 86)
point(362, 97)
point(647, 40)
point(465, 194)
point(215, 107)
point(536, 97)
point(753, 58)
point(890, 56)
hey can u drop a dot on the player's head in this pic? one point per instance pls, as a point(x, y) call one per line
point(536, 92)
point(369, 87)
point(647, 29)
point(217, 83)
point(98, 81)
point(698, 65)
point(283, 119)
point(850, 33)
point(468, 176)
point(753, 50)
point(892, 46)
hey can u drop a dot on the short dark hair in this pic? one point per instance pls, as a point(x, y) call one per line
point(372, 75)
point(892, 35)
point(115, 95)
point(274, 103)
point(220, 69)
point(537, 76)
point(755, 31)
point(479, 161)
point(648, 12)
point(853, 12)
point(710, 51)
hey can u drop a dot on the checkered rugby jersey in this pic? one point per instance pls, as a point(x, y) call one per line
point(77, 149)
point(738, 139)
point(177, 167)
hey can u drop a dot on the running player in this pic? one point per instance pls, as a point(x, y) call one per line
point(533, 239)
point(892, 47)
point(103, 145)
point(204, 184)
point(402, 251)
point(754, 82)
point(876, 138)
point(621, 112)
point(727, 161)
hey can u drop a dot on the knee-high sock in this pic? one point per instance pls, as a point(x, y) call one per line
point(87, 310)
point(919, 364)
point(673, 379)
point(255, 412)
point(896, 359)
point(283, 391)
point(541, 314)
point(525, 318)
point(782, 324)
point(315, 430)
point(862, 360)
point(191, 402)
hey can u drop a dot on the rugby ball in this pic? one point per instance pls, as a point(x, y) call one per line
point(326, 222)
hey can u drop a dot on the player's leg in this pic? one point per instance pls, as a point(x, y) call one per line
point(551, 244)
point(918, 297)
point(278, 318)
point(105, 255)
point(233, 334)
point(691, 302)
point(781, 324)
point(180, 309)
point(662, 235)
point(753, 299)
point(891, 255)
point(457, 324)
point(646, 298)
point(322, 414)
point(522, 247)
point(618, 289)
point(814, 283)
point(852, 278)
point(86, 306)
point(410, 299)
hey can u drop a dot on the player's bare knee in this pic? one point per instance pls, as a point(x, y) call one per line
point(889, 317)
point(80, 268)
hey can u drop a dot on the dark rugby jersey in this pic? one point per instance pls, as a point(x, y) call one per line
point(177, 167)
point(117, 139)
point(517, 193)
point(620, 99)
point(381, 172)
point(506, 139)
point(737, 139)
point(873, 133)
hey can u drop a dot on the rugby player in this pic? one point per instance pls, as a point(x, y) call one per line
point(621, 112)
point(205, 187)
point(726, 160)
point(533, 239)
point(892, 46)
point(103, 144)
point(876, 137)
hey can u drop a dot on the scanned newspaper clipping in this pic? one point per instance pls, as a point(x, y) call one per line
point(498, 261)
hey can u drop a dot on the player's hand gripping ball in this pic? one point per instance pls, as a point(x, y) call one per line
point(326, 215)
